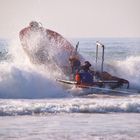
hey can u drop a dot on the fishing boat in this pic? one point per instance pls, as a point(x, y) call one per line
point(102, 80)
point(46, 47)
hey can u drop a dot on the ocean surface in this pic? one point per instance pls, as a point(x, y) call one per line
point(34, 106)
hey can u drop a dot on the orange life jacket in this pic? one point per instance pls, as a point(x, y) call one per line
point(77, 78)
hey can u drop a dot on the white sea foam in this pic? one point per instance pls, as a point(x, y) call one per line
point(95, 105)
point(129, 69)
point(21, 79)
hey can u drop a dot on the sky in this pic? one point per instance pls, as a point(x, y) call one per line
point(72, 18)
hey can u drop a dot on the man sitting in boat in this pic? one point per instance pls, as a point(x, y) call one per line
point(84, 76)
point(75, 64)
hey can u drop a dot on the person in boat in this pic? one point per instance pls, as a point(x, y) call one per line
point(75, 64)
point(87, 66)
point(84, 76)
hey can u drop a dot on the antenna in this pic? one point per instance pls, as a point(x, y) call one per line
point(76, 48)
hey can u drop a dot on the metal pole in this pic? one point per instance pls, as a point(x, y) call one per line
point(96, 55)
point(102, 66)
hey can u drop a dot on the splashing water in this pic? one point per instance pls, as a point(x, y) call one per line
point(21, 79)
point(128, 68)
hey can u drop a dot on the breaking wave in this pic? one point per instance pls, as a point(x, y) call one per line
point(129, 69)
point(43, 107)
point(19, 78)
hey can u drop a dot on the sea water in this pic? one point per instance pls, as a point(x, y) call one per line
point(34, 106)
